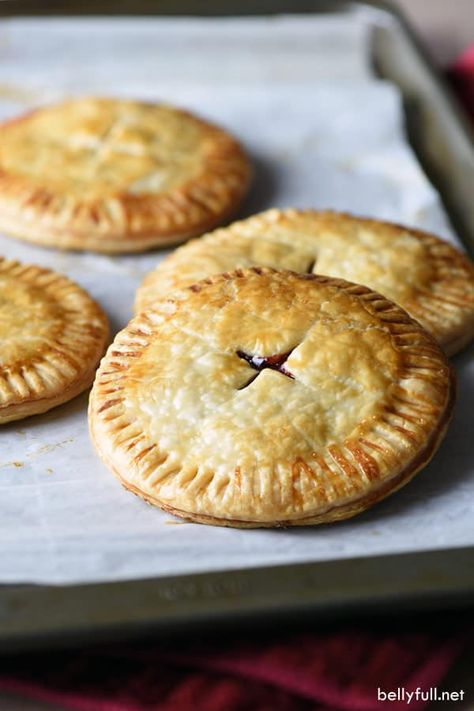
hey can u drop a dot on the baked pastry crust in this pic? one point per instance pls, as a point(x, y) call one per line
point(426, 276)
point(113, 175)
point(52, 334)
point(270, 398)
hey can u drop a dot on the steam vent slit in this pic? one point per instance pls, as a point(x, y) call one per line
point(259, 363)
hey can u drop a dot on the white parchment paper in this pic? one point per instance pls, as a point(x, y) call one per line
point(322, 132)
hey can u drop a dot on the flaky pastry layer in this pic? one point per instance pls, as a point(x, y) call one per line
point(114, 175)
point(52, 336)
point(426, 276)
point(269, 398)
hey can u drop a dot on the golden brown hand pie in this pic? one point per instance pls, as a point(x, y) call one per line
point(265, 398)
point(112, 175)
point(52, 335)
point(425, 275)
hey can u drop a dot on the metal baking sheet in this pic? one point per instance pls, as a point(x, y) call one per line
point(419, 576)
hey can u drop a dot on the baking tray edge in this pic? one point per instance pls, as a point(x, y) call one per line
point(39, 614)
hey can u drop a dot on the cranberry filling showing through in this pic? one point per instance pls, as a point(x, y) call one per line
point(259, 363)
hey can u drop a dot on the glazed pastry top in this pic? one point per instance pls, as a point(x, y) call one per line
point(51, 332)
point(426, 276)
point(95, 148)
point(268, 394)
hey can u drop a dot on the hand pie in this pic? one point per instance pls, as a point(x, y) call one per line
point(112, 175)
point(423, 274)
point(265, 398)
point(52, 336)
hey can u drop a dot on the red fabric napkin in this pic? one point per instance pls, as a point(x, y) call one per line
point(315, 672)
point(461, 76)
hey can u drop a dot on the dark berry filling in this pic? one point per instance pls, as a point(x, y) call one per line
point(259, 363)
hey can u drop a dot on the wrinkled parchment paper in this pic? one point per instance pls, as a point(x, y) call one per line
point(322, 132)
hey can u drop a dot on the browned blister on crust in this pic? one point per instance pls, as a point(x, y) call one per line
point(270, 398)
point(425, 275)
point(52, 336)
point(114, 175)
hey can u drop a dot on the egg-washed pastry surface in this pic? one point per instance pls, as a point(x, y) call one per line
point(113, 175)
point(52, 336)
point(267, 398)
point(426, 276)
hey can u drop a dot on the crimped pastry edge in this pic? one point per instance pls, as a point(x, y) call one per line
point(334, 514)
point(43, 399)
point(435, 316)
point(415, 463)
point(114, 243)
point(123, 224)
point(20, 411)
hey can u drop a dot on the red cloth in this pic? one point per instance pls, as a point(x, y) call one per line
point(338, 672)
point(461, 76)
point(315, 672)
